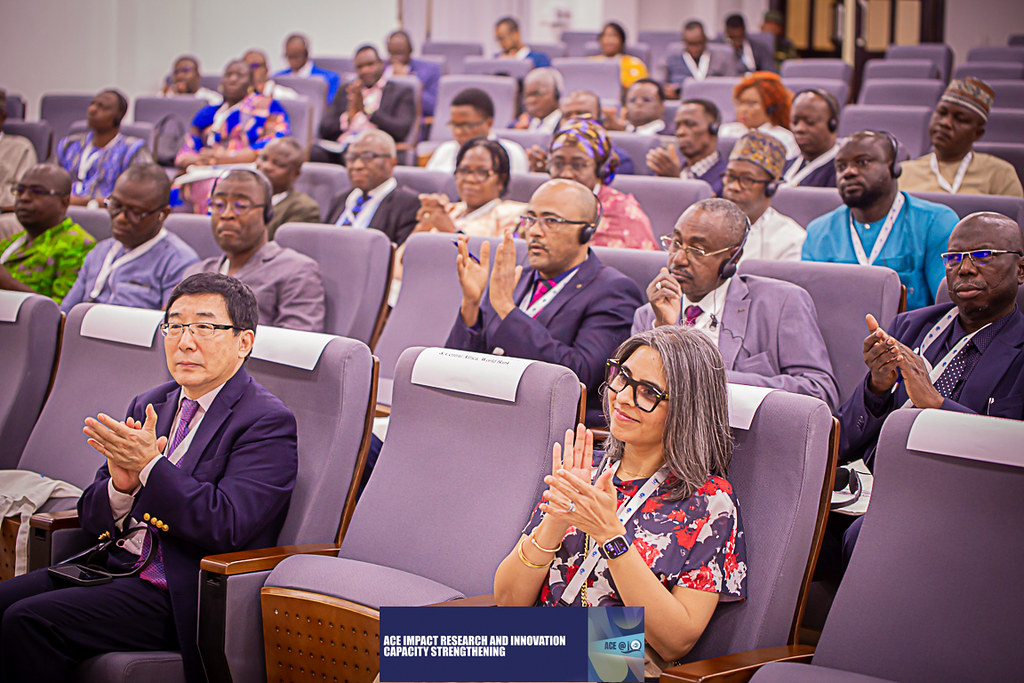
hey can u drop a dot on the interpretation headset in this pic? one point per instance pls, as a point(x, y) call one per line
point(587, 231)
point(833, 106)
point(728, 267)
point(895, 169)
point(712, 110)
point(268, 190)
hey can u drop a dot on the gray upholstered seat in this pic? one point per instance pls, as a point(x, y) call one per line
point(663, 199)
point(96, 222)
point(303, 119)
point(966, 204)
point(908, 123)
point(196, 231)
point(636, 147)
point(877, 69)
point(521, 186)
point(495, 66)
point(598, 76)
point(422, 180)
point(902, 91)
point(61, 110)
point(997, 53)
point(833, 68)
point(323, 182)
point(990, 70)
point(804, 204)
point(714, 89)
point(39, 133)
point(503, 91)
point(454, 53)
point(639, 265)
point(939, 53)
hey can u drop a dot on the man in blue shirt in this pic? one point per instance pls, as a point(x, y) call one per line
point(506, 32)
point(142, 262)
point(296, 51)
point(880, 225)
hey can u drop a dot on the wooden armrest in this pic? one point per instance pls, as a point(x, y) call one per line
point(261, 559)
point(55, 521)
point(471, 601)
point(735, 667)
point(383, 410)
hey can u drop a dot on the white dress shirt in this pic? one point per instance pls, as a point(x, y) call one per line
point(775, 237)
point(713, 304)
point(366, 213)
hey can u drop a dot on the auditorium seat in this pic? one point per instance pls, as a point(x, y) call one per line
point(837, 88)
point(39, 133)
point(828, 68)
point(30, 327)
point(454, 53)
point(663, 199)
point(96, 222)
point(439, 446)
point(210, 81)
point(997, 53)
point(172, 120)
point(300, 120)
point(521, 186)
point(356, 269)
point(503, 91)
point(61, 110)
point(339, 65)
point(939, 53)
point(1009, 93)
point(902, 91)
point(323, 182)
point(641, 51)
point(407, 145)
point(495, 66)
point(197, 232)
point(552, 50)
point(1004, 125)
point(525, 138)
point(880, 69)
point(636, 147)
point(1008, 151)
point(908, 123)
point(639, 265)
point(988, 71)
point(804, 204)
point(937, 626)
point(15, 106)
point(421, 180)
point(715, 89)
point(661, 44)
point(313, 89)
point(575, 41)
point(966, 204)
point(598, 76)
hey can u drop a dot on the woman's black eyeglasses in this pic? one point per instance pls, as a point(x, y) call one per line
point(646, 396)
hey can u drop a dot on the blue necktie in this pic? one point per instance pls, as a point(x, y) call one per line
point(360, 200)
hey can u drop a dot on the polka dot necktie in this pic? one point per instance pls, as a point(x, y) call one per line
point(356, 208)
point(154, 571)
point(692, 313)
point(947, 381)
point(542, 288)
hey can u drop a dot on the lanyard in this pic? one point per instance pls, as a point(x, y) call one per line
point(935, 372)
point(110, 265)
point(534, 309)
point(798, 171)
point(699, 70)
point(883, 235)
point(960, 173)
point(90, 154)
point(15, 246)
point(626, 510)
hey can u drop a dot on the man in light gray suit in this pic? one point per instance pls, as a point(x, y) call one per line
point(766, 329)
point(697, 61)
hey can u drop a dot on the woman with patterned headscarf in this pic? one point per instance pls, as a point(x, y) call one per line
point(582, 151)
point(762, 103)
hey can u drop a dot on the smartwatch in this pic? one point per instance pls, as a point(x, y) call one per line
point(616, 546)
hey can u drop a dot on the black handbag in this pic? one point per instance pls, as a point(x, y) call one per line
point(89, 567)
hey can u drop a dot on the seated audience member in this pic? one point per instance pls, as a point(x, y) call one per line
point(46, 255)
point(879, 225)
point(288, 285)
point(612, 40)
point(17, 155)
point(749, 56)
point(207, 460)
point(696, 61)
point(235, 131)
point(261, 81)
point(956, 124)
point(815, 120)
point(481, 177)
point(697, 124)
point(141, 263)
point(774, 22)
point(185, 81)
point(296, 51)
point(370, 101)
point(644, 111)
point(401, 63)
point(472, 116)
point(506, 32)
point(665, 386)
point(95, 159)
point(582, 151)
point(281, 162)
point(566, 308)
point(579, 104)
point(541, 90)
point(762, 103)
point(375, 200)
point(749, 182)
point(766, 329)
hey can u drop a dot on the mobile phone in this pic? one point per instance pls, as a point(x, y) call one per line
point(79, 575)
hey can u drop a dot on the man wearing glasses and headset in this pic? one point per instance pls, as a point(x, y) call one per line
point(564, 308)
point(766, 329)
point(141, 263)
point(206, 462)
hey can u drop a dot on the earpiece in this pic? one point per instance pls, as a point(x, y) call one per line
point(587, 231)
point(728, 267)
point(770, 188)
point(268, 190)
point(830, 100)
point(895, 168)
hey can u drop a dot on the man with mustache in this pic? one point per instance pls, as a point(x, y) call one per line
point(564, 307)
point(766, 329)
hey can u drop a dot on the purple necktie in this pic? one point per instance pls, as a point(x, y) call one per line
point(154, 571)
point(692, 313)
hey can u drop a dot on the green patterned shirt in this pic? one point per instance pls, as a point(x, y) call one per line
point(48, 264)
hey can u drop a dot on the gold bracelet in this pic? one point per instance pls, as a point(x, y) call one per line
point(539, 547)
point(531, 565)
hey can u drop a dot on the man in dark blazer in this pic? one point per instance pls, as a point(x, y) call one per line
point(750, 55)
point(205, 463)
point(402, 63)
point(696, 60)
point(281, 161)
point(375, 200)
point(564, 308)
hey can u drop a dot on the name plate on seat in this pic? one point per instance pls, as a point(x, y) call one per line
point(744, 401)
point(478, 374)
point(121, 324)
point(964, 435)
point(10, 304)
point(290, 347)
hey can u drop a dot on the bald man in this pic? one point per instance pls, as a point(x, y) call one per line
point(281, 161)
point(564, 307)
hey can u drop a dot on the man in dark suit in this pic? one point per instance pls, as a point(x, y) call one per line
point(375, 200)
point(565, 307)
point(403, 64)
point(696, 60)
point(750, 55)
point(206, 464)
point(281, 162)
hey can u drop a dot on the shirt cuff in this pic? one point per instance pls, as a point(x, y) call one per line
point(144, 473)
point(120, 503)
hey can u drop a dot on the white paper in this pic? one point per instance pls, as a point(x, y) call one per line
point(479, 374)
point(290, 347)
point(744, 400)
point(964, 435)
point(121, 324)
point(10, 304)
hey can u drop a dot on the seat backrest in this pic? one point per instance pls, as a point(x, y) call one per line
point(639, 265)
point(96, 222)
point(552, 50)
point(877, 69)
point(663, 199)
point(454, 52)
point(407, 155)
point(29, 336)
point(937, 626)
point(804, 204)
point(109, 355)
point(940, 54)
point(15, 106)
point(997, 53)
point(830, 68)
point(909, 91)
point(39, 133)
point(987, 71)
point(171, 117)
point(525, 138)
point(494, 66)
point(641, 51)
point(440, 449)
point(422, 180)
point(356, 269)
point(210, 81)
point(61, 110)
point(339, 65)
point(1004, 125)
point(908, 123)
point(636, 147)
point(600, 77)
point(1007, 151)
point(196, 231)
point(328, 383)
point(503, 90)
point(1009, 93)
point(300, 112)
point(839, 89)
point(323, 182)
point(843, 294)
point(661, 44)
point(942, 296)
point(714, 89)
point(313, 89)
point(521, 186)
point(575, 41)
point(966, 204)
point(781, 471)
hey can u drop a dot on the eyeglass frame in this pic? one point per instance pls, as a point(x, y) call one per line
point(577, 165)
point(475, 173)
point(238, 211)
point(365, 157)
point(668, 240)
point(165, 329)
point(743, 181)
point(974, 260)
point(31, 189)
point(621, 371)
point(465, 125)
point(131, 214)
point(526, 222)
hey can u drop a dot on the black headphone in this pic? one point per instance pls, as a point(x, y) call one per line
point(588, 230)
point(833, 106)
point(268, 190)
point(727, 268)
point(712, 110)
point(895, 169)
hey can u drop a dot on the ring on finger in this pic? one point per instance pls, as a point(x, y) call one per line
point(657, 286)
point(572, 507)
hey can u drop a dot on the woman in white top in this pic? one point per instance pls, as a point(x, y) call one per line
point(762, 103)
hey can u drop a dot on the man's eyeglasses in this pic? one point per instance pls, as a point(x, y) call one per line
point(556, 166)
point(744, 181)
point(646, 396)
point(198, 330)
point(463, 127)
point(239, 206)
point(31, 190)
point(115, 207)
point(478, 174)
point(547, 222)
point(365, 157)
point(672, 245)
point(979, 257)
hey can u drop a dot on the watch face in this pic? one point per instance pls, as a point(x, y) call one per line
point(616, 546)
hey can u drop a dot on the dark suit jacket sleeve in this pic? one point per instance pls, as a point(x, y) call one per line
point(467, 338)
point(397, 113)
point(337, 207)
point(399, 217)
point(430, 76)
point(330, 122)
